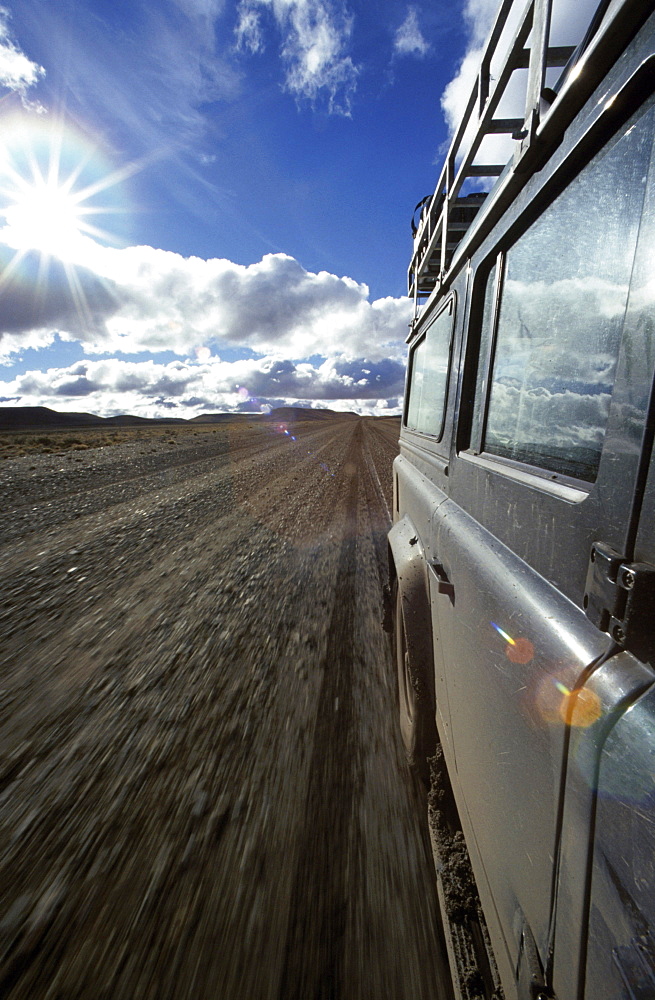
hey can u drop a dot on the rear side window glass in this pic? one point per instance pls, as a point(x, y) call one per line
point(562, 307)
point(428, 378)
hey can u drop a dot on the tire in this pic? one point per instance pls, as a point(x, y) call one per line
point(416, 711)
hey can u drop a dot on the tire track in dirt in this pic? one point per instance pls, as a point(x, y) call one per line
point(379, 513)
point(315, 953)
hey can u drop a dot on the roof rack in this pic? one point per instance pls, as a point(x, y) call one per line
point(447, 215)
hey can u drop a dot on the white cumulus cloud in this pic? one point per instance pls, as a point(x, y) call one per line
point(188, 388)
point(143, 299)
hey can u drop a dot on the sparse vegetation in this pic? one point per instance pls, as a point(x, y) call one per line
point(15, 444)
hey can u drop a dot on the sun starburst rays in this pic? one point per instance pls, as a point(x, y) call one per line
point(54, 190)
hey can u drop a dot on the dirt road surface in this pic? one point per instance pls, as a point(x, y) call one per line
point(202, 791)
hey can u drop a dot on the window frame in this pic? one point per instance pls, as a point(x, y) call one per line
point(471, 438)
point(486, 363)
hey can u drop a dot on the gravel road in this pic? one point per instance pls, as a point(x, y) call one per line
point(202, 790)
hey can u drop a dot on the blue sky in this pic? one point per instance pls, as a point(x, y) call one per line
point(205, 204)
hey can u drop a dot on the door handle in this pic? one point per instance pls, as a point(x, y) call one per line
point(444, 586)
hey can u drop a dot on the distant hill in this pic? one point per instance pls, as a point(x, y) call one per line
point(220, 418)
point(21, 417)
point(18, 418)
point(287, 413)
point(130, 421)
point(280, 414)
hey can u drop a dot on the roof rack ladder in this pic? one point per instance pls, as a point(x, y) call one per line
point(440, 231)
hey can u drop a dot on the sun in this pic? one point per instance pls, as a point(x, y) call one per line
point(47, 218)
point(54, 182)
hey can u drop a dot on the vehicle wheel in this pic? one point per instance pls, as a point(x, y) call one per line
point(417, 724)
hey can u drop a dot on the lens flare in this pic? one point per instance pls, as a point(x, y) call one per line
point(503, 635)
point(521, 651)
point(550, 700)
point(518, 650)
point(547, 700)
point(282, 428)
point(580, 709)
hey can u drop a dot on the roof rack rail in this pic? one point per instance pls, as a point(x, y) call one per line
point(446, 216)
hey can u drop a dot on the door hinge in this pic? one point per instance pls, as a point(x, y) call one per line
point(620, 599)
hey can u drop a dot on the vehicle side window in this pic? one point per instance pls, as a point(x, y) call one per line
point(429, 364)
point(563, 301)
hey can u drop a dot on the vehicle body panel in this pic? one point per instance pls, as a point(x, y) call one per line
point(622, 905)
point(514, 645)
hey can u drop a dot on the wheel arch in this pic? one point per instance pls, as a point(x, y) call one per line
point(409, 570)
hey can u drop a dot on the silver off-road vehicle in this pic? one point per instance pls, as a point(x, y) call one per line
point(522, 557)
